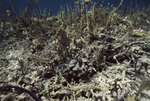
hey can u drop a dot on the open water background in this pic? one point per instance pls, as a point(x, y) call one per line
point(55, 5)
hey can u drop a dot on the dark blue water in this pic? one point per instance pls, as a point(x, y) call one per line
point(54, 5)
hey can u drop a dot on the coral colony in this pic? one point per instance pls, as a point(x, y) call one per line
point(90, 52)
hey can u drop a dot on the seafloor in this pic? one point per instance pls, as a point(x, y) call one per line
point(95, 55)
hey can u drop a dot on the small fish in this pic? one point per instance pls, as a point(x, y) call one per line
point(86, 2)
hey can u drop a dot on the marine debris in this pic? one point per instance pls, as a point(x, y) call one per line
point(96, 54)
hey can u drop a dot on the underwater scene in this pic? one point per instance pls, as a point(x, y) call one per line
point(74, 50)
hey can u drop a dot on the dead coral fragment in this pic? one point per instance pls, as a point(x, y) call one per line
point(138, 33)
